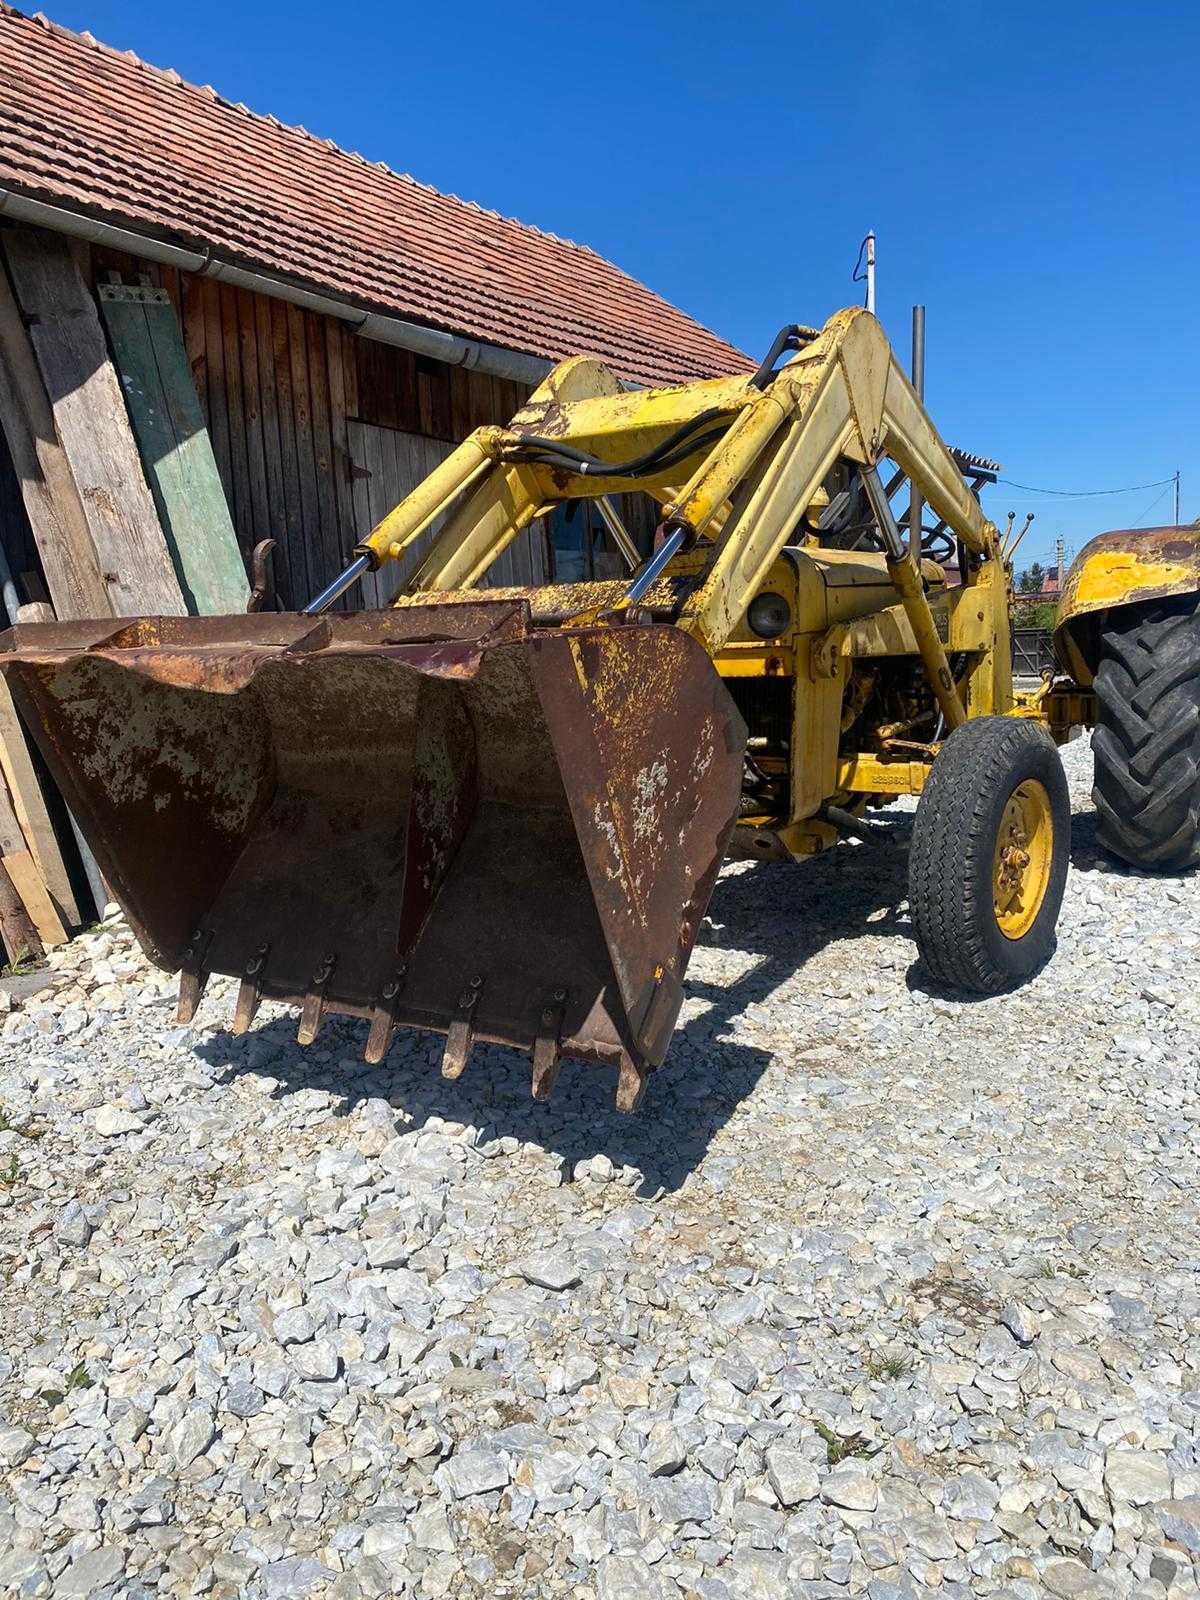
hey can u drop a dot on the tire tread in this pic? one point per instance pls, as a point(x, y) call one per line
point(1146, 746)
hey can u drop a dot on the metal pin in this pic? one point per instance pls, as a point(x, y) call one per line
point(460, 1036)
point(547, 1046)
point(314, 1002)
point(250, 990)
point(193, 975)
point(383, 1020)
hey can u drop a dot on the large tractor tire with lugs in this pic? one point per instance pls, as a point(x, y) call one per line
point(988, 862)
point(1147, 739)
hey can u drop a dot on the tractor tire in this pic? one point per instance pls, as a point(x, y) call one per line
point(984, 907)
point(1146, 745)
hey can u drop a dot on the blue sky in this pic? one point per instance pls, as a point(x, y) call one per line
point(1031, 172)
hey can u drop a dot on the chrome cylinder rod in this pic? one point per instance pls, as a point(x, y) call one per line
point(357, 569)
point(620, 534)
point(653, 569)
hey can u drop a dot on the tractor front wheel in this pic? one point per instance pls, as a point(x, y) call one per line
point(1147, 740)
point(988, 862)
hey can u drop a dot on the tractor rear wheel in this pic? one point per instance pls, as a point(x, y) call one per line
point(988, 861)
point(1147, 740)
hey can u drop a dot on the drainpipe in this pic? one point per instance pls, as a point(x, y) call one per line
point(497, 361)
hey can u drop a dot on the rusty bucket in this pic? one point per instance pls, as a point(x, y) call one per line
point(437, 816)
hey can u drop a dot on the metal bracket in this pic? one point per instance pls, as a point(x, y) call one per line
point(313, 1008)
point(461, 1034)
point(826, 653)
point(383, 1019)
point(193, 975)
point(547, 1046)
point(250, 989)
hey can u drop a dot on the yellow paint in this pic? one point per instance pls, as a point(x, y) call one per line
point(1022, 859)
point(577, 658)
point(868, 774)
point(1110, 577)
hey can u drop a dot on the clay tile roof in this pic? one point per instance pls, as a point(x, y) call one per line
point(95, 130)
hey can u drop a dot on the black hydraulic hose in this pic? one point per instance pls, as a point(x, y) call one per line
point(618, 469)
point(791, 337)
point(538, 450)
point(535, 447)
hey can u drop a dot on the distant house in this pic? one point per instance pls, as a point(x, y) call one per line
point(1050, 581)
point(342, 324)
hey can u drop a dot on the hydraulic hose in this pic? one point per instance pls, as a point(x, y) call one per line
point(684, 441)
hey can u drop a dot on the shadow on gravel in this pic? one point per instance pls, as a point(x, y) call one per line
point(779, 914)
point(1089, 855)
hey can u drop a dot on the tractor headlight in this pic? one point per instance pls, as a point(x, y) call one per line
point(769, 615)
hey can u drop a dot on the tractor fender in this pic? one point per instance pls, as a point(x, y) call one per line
point(1126, 567)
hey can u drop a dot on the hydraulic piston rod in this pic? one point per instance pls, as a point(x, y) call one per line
point(905, 573)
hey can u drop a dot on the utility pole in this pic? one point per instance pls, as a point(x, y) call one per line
point(1060, 557)
point(1176, 496)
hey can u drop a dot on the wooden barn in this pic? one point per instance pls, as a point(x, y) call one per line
point(217, 330)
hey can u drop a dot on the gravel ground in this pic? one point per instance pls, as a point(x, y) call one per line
point(882, 1291)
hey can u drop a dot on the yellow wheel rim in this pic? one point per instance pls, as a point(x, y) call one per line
point(1021, 863)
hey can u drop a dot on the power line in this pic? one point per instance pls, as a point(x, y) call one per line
point(1085, 494)
point(1152, 505)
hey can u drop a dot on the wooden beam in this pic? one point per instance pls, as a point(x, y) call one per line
point(30, 808)
point(22, 873)
point(20, 937)
point(92, 424)
point(52, 503)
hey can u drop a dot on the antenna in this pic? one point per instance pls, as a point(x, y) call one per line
point(866, 252)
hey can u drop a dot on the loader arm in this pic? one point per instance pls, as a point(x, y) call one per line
point(734, 462)
point(844, 393)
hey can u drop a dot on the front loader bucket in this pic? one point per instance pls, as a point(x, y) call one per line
point(435, 816)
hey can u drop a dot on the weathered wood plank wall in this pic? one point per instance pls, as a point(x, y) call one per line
point(279, 387)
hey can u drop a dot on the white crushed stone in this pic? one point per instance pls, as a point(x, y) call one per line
point(883, 1292)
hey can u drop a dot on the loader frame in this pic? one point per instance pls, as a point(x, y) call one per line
point(747, 460)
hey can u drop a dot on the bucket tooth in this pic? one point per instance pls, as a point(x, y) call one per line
point(193, 975)
point(631, 1085)
point(313, 1008)
point(250, 990)
point(461, 1034)
point(547, 1046)
point(383, 1020)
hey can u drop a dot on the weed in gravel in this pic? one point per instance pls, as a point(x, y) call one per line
point(878, 1367)
point(29, 1131)
point(21, 965)
point(10, 1172)
point(838, 1449)
point(77, 1378)
point(1059, 1269)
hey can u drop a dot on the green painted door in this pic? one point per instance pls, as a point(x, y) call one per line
point(169, 426)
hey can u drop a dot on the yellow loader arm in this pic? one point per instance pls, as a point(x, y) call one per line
point(732, 461)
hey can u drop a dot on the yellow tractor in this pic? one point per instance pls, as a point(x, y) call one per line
point(1128, 629)
point(500, 813)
